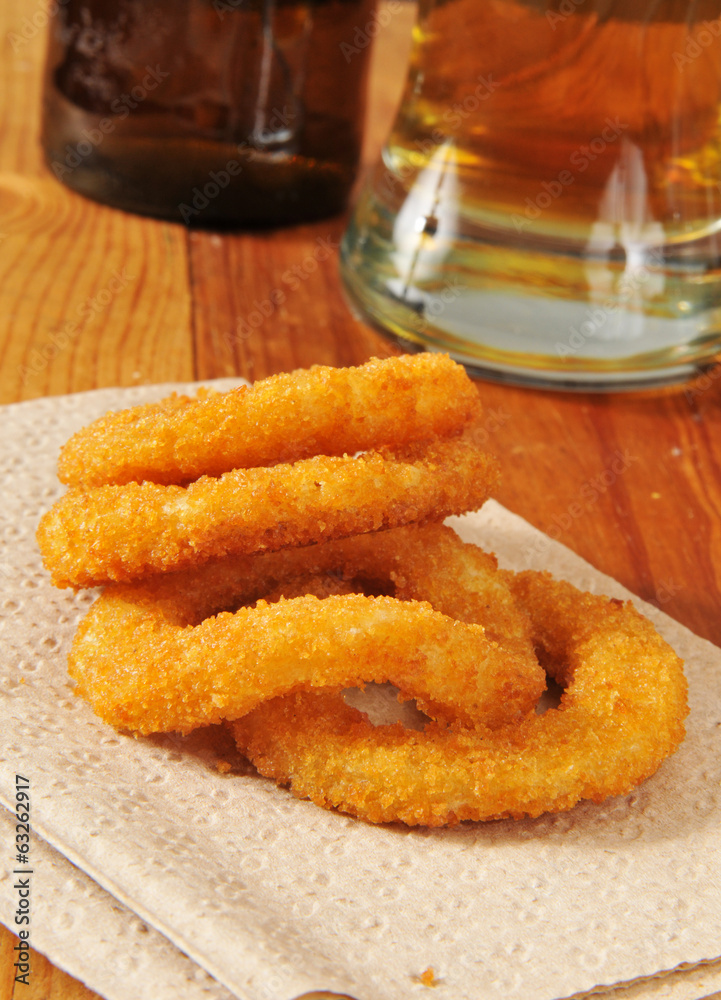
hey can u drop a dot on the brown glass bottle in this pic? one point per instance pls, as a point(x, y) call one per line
point(210, 112)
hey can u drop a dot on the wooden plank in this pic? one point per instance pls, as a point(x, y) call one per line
point(630, 482)
point(22, 48)
point(7, 970)
point(46, 982)
point(90, 296)
point(273, 302)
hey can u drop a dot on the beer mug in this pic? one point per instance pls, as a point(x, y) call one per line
point(209, 112)
point(548, 204)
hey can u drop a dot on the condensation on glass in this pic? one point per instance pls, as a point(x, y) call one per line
point(548, 204)
point(209, 111)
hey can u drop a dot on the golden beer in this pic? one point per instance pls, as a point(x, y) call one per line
point(549, 200)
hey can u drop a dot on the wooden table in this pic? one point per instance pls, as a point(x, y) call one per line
point(655, 525)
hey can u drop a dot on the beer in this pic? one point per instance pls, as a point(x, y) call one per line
point(549, 200)
point(211, 112)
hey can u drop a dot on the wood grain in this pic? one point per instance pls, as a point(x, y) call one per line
point(46, 981)
point(90, 296)
point(631, 482)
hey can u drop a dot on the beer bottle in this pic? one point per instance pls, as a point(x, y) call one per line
point(209, 112)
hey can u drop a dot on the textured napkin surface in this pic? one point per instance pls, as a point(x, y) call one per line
point(275, 897)
point(88, 933)
point(91, 935)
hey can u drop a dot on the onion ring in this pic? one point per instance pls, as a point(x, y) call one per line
point(148, 657)
point(619, 718)
point(423, 563)
point(284, 418)
point(121, 533)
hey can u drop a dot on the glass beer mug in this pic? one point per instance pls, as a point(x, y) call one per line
point(208, 111)
point(548, 204)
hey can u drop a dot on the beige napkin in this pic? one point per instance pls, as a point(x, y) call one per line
point(89, 934)
point(275, 897)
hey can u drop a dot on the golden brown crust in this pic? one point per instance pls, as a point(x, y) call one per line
point(284, 418)
point(262, 478)
point(150, 658)
point(620, 717)
point(122, 533)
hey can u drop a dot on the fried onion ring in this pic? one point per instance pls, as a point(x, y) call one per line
point(122, 533)
point(148, 657)
point(284, 418)
point(620, 716)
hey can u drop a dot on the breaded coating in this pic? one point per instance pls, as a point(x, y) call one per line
point(269, 547)
point(122, 533)
point(619, 718)
point(142, 672)
point(423, 562)
point(152, 657)
point(284, 418)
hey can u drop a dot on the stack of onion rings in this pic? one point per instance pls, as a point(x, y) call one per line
point(299, 570)
point(120, 533)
